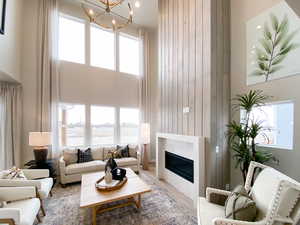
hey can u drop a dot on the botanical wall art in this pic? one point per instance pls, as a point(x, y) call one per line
point(273, 45)
point(2, 15)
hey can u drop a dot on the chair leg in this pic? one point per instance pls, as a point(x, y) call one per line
point(38, 218)
point(50, 193)
point(42, 208)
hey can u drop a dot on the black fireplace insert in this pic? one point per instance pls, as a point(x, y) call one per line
point(179, 165)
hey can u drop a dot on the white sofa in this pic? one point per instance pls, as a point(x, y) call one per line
point(70, 173)
point(276, 195)
point(22, 208)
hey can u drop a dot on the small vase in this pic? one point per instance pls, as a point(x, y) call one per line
point(108, 177)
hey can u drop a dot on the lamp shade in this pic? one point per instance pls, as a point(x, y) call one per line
point(145, 133)
point(39, 139)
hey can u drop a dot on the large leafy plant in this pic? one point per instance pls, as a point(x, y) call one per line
point(242, 134)
point(275, 46)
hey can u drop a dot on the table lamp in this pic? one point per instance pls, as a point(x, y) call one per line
point(145, 140)
point(40, 141)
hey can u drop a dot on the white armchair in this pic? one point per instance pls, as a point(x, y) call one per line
point(38, 178)
point(22, 208)
point(275, 194)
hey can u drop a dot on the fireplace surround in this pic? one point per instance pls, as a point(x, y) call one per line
point(190, 152)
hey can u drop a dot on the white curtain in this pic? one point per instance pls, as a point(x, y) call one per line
point(144, 85)
point(48, 76)
point(10, 125)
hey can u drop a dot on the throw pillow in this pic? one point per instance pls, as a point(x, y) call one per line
point(85, 155)
point(13, 173)
point(123, 151)
point(70, 156)
point(240, 206)
point(133, 150)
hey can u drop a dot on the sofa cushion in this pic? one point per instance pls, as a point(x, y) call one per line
point(97, 153)
point(70, 156)
point(79, 168)
point(28, 210)
point(133, 150)
point(85, 155)
point(129, 161)
point(107, 150)
point(209, 211)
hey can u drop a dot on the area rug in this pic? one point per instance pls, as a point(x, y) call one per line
point(158, 208)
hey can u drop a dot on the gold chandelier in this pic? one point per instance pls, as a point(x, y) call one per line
point(107, 18)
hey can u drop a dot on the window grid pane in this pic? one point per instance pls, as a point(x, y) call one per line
point(72, 125)
point(71, 40)
point(103, 125)
point(129, 55)
point(102, 48)
point(129, 125)
point(278, 123)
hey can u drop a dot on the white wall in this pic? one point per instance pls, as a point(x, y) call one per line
point(10, 43)
point(283, 89)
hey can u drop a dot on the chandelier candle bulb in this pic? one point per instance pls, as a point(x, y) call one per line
point(137, 4)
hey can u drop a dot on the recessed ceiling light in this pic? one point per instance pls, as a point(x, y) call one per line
point(137, 4)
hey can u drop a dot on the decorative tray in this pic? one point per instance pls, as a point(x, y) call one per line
point(101, 185)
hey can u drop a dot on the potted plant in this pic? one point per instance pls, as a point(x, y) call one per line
point(242, 134)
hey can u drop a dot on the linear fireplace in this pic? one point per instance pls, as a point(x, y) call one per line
point(180, 161)
point(179, 165)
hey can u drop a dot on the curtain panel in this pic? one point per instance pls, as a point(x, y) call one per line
point(10, 125)
point(48, 75)
point(144, 84)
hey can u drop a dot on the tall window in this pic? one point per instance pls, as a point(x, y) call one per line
point(129, 53)
point(71, 40)
point(278, 123)
point(72, 125)
point(102, 48)
point(129, 125)
point(103, 125)
point(91, 125)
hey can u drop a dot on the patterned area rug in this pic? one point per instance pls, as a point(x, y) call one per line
point(158, 208)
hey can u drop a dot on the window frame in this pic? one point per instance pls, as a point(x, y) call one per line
point(115, 47)
point(119, 125)
point(87, 46)
point(88, 125)
point(276, 146)
point(140, 49)
point(85, 49)
point(66, 126)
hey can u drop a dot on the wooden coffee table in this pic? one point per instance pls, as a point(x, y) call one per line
point(96, 200)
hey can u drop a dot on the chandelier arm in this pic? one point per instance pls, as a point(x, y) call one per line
point(111, 4)
point(114, 26)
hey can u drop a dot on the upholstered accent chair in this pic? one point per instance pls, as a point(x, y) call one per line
point(22, 207)
point(275, 194)
point(38, 178)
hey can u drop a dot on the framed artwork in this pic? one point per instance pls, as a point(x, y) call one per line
point(2, 15)
point(273, 44)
